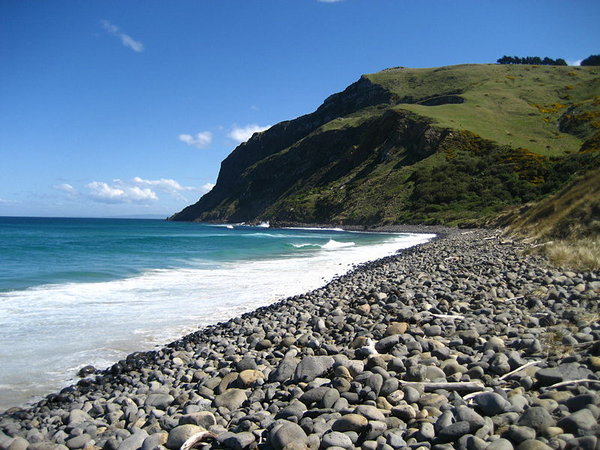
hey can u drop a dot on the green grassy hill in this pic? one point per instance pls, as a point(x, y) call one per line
point(516, 105)
point(450, 145)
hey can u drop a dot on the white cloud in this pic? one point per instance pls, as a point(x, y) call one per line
point(207, 187)
point(103, 192)
point(173, 187)
point(126, 40)
point(166, 184)
point(136, 193)
point(575, 63)
point(200, 140)
point(137, 190)
point(119, 193)
point(242, 134)
point(66, 187)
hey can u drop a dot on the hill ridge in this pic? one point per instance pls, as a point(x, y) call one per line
point(370, 153)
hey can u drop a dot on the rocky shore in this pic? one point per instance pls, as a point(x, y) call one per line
point(464, 342)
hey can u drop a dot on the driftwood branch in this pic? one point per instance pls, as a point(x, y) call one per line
point(448, 316)
point(518, 369)
point(566, 383)
point(195, 440)
point(464, 386)
point(472, 395)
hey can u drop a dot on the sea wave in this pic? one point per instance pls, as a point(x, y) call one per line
point(306, 245)
point(57, 328)
point(329, 245)
point(335, 245)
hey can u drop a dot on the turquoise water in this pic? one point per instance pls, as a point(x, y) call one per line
point(89, 291)
point(38, 251)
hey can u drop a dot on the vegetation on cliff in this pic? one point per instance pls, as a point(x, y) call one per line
point(592, 60)
point(566, 225)
point(533, 60)
point(450, 145)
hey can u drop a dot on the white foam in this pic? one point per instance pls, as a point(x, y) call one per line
point(55, 329)
point(334, 245)
point(313, 245)
point(222, 225)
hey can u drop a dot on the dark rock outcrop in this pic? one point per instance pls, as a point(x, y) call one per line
point(293, 157)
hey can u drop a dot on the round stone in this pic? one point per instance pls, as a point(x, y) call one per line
point(350, 422)
point(500, 444)
point(491, 403)
point(231, 399)
point(537, 418)
point(180, 434)
point(370, 412)
point(159, 401)
point(396, 328)
point(285, 433)
point(250, 377)
point(533, 444)
point(454, 431)
point(405, 413)
point(579, 420)
point(337, 439)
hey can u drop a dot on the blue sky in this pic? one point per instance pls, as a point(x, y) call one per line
point(125, 108)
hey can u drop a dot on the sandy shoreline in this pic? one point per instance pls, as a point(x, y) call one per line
point(354, 364)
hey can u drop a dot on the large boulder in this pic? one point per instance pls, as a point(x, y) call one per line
point(180, 434)
point(285, 432)
point(312, 367)
point(231, 399)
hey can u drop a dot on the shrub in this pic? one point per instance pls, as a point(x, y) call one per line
point(592, 60)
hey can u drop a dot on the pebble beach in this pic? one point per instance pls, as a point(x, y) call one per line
point(464, 342)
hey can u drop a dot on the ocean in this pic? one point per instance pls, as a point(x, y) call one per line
point(75, 292)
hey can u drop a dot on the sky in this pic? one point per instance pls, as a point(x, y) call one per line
point(126, 108)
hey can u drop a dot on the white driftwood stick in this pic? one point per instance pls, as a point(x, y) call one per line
point(472, 395)
point(518, 369)
point(566, 383)
point(448, 316)
point(469, 386)
point(196, 439)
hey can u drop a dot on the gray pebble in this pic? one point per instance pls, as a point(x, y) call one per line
point(537, 418)
point(491, 403)
point(337, 439)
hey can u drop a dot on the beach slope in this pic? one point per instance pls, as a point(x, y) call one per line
point(461, 342)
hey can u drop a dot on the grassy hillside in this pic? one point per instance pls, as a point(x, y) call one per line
point(450, 145)
point(566, 225)
point(515, 105)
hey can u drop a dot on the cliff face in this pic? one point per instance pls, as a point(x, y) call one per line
point(235, 195)
point(263, 177)
point(412, 146)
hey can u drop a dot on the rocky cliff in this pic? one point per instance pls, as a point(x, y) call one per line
point(373, 153)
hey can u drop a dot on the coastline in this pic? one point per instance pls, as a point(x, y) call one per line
point(351, 362)
point(269, 265)
point(439, 230)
